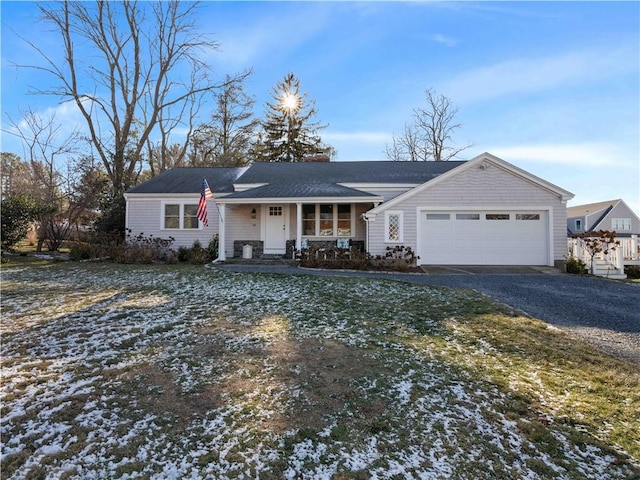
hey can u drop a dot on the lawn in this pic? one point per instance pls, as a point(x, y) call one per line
point(173, 371)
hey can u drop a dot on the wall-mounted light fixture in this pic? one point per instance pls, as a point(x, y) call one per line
point(253, 213)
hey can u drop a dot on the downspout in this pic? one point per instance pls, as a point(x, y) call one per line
point(221, 234)
point(366, 231)
point(298, 246)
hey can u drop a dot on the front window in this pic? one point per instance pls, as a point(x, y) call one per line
point(578, 225)
point(344, 220)
point(327, 220)
point(180, 216)
point(172, 216)
point(309, 220)
point(189, 218)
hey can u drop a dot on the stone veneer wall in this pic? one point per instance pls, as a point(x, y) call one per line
point(258, 247)
point(326, 244)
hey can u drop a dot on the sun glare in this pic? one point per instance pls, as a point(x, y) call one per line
point(290, 102)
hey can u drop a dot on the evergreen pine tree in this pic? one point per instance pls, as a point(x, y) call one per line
point(288, 132)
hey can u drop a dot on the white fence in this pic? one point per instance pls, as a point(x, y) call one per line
point(629, 248)
point(617, 255)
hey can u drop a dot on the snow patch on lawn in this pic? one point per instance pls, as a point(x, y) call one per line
point(74, 340)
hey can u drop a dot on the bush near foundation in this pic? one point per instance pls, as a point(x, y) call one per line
point(396, 259)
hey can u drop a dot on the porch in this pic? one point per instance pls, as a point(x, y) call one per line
point(256, 251)
point(610, 262)
point(278, 229)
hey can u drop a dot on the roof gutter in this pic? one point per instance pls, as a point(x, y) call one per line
point(245, 201)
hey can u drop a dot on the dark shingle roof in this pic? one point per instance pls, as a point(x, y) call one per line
point(189, 180)
point(300, 190)
point(289, 180)
point(346, 172)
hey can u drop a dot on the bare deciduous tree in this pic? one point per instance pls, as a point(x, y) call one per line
point(226, 139)
point(47, 148)
point(145, 75)
point(429, 136)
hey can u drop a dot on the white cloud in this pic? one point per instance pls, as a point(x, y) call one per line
point(521, 76)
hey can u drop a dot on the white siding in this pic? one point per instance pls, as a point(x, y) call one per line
point(477, 188)
point(621, 210)
point(145, 216)
point(240, 226)
point(386, 193)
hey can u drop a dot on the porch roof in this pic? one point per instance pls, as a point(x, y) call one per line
point(301, 190)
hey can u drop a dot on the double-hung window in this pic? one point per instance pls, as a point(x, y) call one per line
point(327, 220)
point(180, 216)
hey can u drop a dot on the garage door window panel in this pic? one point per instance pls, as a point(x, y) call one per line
point(498, 216)
point(438, 216)
point(467, 216)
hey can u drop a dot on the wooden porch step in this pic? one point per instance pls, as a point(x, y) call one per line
point(602, 268)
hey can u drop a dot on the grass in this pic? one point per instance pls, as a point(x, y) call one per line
point(113, 371)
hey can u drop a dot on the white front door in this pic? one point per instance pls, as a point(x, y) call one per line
point(276, 227)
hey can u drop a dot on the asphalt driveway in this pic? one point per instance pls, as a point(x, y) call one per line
point(603, 312)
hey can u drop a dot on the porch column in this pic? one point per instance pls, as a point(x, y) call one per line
point(221, 236)
point(298, 226)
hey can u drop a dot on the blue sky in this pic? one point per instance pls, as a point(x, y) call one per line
point(552, 87)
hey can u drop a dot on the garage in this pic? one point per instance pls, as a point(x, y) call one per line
point(492, 237)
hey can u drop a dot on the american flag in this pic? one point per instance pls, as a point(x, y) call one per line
point(205, 194)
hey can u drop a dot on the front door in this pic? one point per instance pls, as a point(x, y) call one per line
point(275, 229)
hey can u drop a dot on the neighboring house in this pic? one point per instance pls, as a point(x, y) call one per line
point(612, 215)
point(483, 211)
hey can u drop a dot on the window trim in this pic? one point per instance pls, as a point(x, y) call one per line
point(181, 204)
point(620, 224)
point(578, 225)
point(335, 223)
point(387, 217)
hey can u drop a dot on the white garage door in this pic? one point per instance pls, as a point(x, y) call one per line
point(483, 238)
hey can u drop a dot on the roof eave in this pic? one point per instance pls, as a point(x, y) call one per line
point(262, 200)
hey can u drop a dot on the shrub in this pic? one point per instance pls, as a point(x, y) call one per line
point(212, 248)
point(197, 254)
point(576, 266)
point(398, 259)
point(183, 254)
point(632, 271)
point(18, 213)
point(143, 249)
point(138, 249)
point(83, 251)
